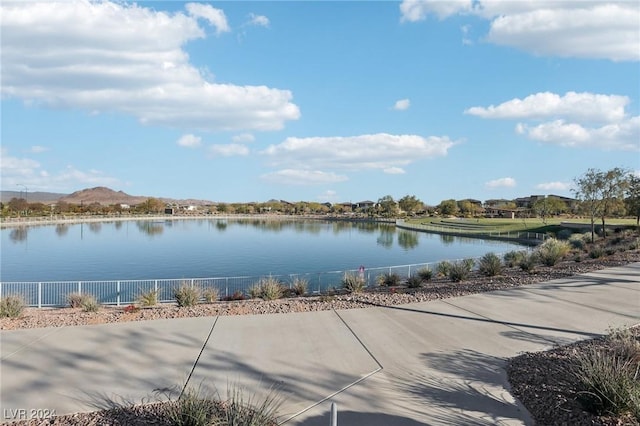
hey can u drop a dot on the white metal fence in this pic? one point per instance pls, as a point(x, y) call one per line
point(124, 292)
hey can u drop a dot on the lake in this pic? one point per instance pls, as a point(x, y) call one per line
point(192, 248)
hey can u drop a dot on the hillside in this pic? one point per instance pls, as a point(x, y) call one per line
point(102, 195)
point(32, 197)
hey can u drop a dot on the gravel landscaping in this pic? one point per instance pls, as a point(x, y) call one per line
point(541, 381)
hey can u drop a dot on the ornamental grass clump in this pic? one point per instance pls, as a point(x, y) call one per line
point(528, 261)
point(552, 251)
point(610, 377)
point(460, 270)
point(12, 306)
point(148, 298)
point(187, 295)
point(513, 258)
point(300, 286)
point(443, 268)
point(490, 265)
point(353, 283)
point(87, 302)
point(192, 409)
point(210, 294)
point(240, 410)
point(388, 279)
point(425, 274)
point(270, 288)
point(414, 281)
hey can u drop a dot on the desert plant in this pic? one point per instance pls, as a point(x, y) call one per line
point(460, 270)
point(270, 288)
point(210, 294)
point(11, 306)
point(490, 265)
point(528, 261)
point(239, 410)
point(443, 268)
point(90, 303)
point(148, 298)
point(300, 286)
point(192, 409)
point(609, 378)
point(388, 279)
point(75, 299)
point(414, 281)
point(551, 251)
point(425, 274)
point(513, 258)
point(596, 252)
point(564, 234)
point(353, 283)
point(186, 295)
point(254, 291)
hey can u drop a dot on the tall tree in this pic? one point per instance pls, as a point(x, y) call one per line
point(448, 208)
point(388, 206)
point(612, 186)
point(632, 201)
point(587, 192)
point(549, 206)
point(410, 204)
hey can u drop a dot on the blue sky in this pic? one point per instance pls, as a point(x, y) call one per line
point(318, 101)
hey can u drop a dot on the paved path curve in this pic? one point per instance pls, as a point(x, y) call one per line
point(435, 363)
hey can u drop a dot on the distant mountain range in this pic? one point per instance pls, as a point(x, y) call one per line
point(100, 195)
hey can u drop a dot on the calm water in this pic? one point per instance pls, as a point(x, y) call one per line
point(217, 248)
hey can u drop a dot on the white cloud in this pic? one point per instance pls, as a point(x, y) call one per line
point(134, 64)
point(303, 177)
point(215, 17)
point(394, 171)
point(328, 195)
point(37, 149)
point(402, 105)
point(244, 138)
point(572, 105)
point(25, 171)
point(228, 150)
point(190, 141)
point(622, 136)
point(258, 20)
point(554, 186)
point(506, 182)
point(377, 151)
point(584, 29)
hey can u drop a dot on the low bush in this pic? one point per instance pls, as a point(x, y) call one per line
point(414, 281)
point(425, 274)
point(609, 378)
point(210, 294)
point(551, 251)
point(192, 409)
point(186, 295)
point(577, 241)
point(389, 279)
point(148, 298)
point(460, 270)
point(300, 286)
point(564, 234)
point(353, 283)
point(513, 258)
point(270, 288)
point(87, 302)
point(443, 268)
point(596, 252)
point(490, 265)
point(528, 261)
point(11, 306)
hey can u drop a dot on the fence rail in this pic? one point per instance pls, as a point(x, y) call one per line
point(125, 292)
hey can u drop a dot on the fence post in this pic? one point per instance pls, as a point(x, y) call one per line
point(334, 414)
point(39, 295)
point(118, 294)
point(155, 286)
point(79, 286)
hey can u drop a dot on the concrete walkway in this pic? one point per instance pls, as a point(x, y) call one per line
point(435, 363)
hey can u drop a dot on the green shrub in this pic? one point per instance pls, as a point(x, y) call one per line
point(300, 286)
point(564, 234)
point(353, 283)
point(551, 251)
point(210, 294)
point(425, 274)
point(255, 291)
point(148, 298)
point(12, 306)
point(388, 279)
point(490, 265)
point(577, 241)
point(609, 377)
point(270, 288)
point(414, 281)
point(528, 261)
point(513, 258)
point(443, 268)
point(460, 270)
point(186, 295)
point(192, 409)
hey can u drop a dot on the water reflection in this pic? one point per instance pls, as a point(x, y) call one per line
point(385, 239)
point(407, 240)
point(62, 229)
point(221, 225)
point(95, 227)
point(150, 228)
point(18, 235)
